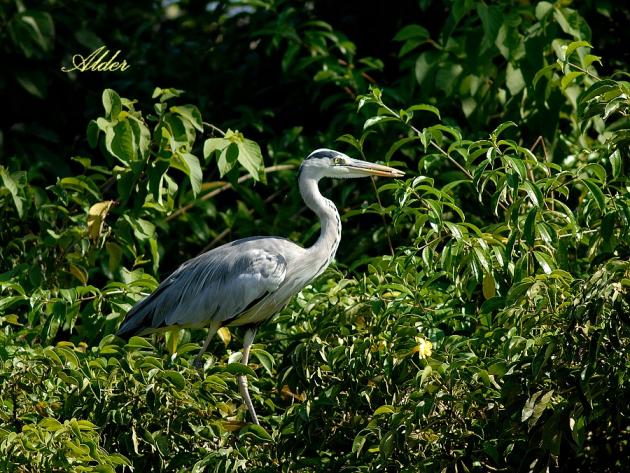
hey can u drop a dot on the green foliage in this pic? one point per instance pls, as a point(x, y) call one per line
point(493, 336)
point(100, 223)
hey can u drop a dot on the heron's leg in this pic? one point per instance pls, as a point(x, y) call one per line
point(248, 339)
point(212, 329)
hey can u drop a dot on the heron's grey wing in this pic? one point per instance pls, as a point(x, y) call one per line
point(216, 286)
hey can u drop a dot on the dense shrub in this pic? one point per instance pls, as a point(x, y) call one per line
point(476, 318)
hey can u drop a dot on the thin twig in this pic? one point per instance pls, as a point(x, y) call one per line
point(435, 145)
point(439, 148)
point(541, 140)
point(210, 125)
point(389, 240)
point(583, 70)
point(215, 192)
point(226, 231)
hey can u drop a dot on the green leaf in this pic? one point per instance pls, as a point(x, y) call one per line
point(598, 195)
point(545, 261)
point(546, 71)
point(543, 9)
point(503, 126)
point(529, 227)
point(378, 119)
point(615, 162)
point(85, 425)
point(541, 358)
point(80, 184)
point(142, 229)
point(385, 409)
point(50, 424)
point(514, 79)
point(589, 59)
point(598, 88)
point(256, 431)
point(214, 144)
point(214, 382)
point(386, 446)
point(613, 106)
point(166, 94)
point(351, 140)
point(227, 158)
point(455, 229)
point(425, 108)
point(596, 169)
point(265, 359)
point(482, 257)
point(357, 444)
point(119, 141)
point(141, 136)
point(423, 66)
point(411, 31)
point(175, 378)
point(410, 45)
point(239, 369)
point(92, 133)
point(488, 286)
point(33, 81)
point(574, 46)
point(189, 164)
point(33, 32)
point(190, 113)
point(578, 429)
point(571, 22)
point(437, 129)
point(111, 103)
point(139, 342)
point(250, 157)
point(569, 77)
point(52, 356)
point(180, 132)
point(12, 186)
point(492, 304)
point(534, 193)
point(491, 21)
point(539, 407)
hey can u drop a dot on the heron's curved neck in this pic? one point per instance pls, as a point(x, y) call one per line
point(326, 245)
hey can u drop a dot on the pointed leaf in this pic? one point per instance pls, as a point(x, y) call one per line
point(195, 173)
point(411, 31)
point(598, 195)
point(214, 144)
point(190, 113)
point(111, 103)
point(250, 157)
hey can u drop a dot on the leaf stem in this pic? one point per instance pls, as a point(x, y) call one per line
point(227, 186)
point(214, 128)
point(436, 146)
point(581, 69)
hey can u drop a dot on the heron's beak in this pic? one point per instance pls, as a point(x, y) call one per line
point(370, 169)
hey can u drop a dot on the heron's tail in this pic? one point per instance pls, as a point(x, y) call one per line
point(141, 319)
point(128, 329)
point(135, 321)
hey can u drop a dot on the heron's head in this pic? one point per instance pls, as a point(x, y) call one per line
point(329, 163)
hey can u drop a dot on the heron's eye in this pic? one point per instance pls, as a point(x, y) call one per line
point(338, 160)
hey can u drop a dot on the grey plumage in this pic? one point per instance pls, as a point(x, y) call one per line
point(218, 285)
point(245, 282)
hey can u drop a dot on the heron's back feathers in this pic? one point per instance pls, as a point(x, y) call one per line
point(218, 286)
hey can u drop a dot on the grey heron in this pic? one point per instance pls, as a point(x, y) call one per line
point(247, 281)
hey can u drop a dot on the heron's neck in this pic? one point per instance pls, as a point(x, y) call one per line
point(324, 249)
